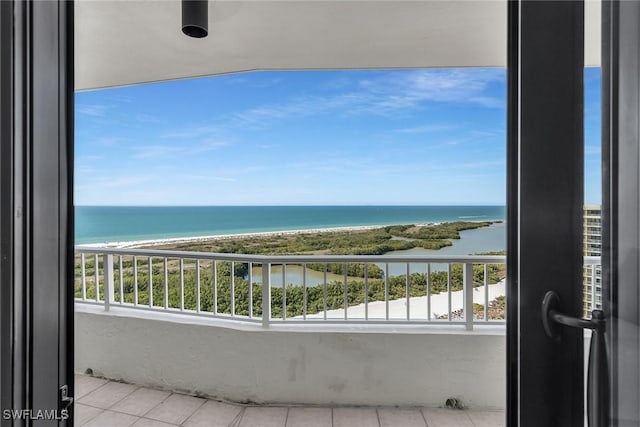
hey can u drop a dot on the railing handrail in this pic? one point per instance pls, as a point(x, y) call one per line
point(276, 259)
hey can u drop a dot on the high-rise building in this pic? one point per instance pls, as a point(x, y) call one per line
point(592, 246)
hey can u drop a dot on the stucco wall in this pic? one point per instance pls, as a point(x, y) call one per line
point(344, 366)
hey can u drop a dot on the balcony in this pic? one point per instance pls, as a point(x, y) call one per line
point(344, 331)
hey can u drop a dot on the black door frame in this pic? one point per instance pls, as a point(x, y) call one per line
point(621, 203)
point(36, 206)
point(544, 190)
point(545, 201)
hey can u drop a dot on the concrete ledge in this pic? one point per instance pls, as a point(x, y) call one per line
point(352, 366)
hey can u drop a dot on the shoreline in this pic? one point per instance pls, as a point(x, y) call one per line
point(133, 244)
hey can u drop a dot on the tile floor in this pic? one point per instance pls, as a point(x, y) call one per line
point(103, 403)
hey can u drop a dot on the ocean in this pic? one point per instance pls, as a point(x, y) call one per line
point(105, 224)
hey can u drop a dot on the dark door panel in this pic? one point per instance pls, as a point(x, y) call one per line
point(36, 222)
point(621, 203)
point(545, 173)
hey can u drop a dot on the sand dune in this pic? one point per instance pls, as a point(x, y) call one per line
point(417, 305)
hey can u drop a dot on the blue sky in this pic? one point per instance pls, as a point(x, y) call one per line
point(396, 137)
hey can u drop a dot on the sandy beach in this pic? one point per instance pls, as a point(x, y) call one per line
point(417, 305)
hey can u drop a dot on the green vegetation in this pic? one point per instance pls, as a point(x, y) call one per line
point(495, 311)
point(376, 241)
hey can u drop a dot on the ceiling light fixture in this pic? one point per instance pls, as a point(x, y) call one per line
point(195, 18)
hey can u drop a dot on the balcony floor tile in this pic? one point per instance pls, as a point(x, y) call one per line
point(112, 419)
point(83, 414)
point(85, 385)
point(447, 418)
point(263, 417)
point(309, 417)
point(401, 417)
point(487, 418)
point(114, 404)
point(175, 409)
point(107, 395)
point(140, 401)
point(351, 417)
point(146, 422)
point(214, 414)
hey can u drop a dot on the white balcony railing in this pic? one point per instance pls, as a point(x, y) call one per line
point(407, 289)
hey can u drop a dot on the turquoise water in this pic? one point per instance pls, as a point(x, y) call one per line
point(101, 224)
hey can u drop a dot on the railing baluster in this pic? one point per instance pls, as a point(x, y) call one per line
point(181, 284)
point(324, 292)
point(150, 287)
point(486, 292)
point(96, 264)
point(366, 292)
point(304, 291)
point(233, 289)
point(346, 300)
point(83, 279)
point(467, 287)
point(284, 293)
point(108, 281)
point(214, 281)
point(166, 283)
point(408, 292)
point(266, 294)
point(198, 284)
point(135, 280)
point(250, 266)
point(386, 290)
point(449, 289)
point(428, 292)
point(121, 279)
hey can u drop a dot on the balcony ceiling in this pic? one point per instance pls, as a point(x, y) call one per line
point(131, 42)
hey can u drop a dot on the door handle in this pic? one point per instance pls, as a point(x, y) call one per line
point(598, 371)
point(65, 399)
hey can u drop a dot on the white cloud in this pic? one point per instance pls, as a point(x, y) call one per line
point(150, 151)
point(94, 110)
point(99, 183)
point(209, 144)
point(426, 129)
point(466, 85)
point(192, 132)
point(88, 157)
point(389, 93)
point(489, 102)
point(174, 149)
point(592, 150)
point(148, 118)
point(298, 107)
point(106, 140)
point(209, 178)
